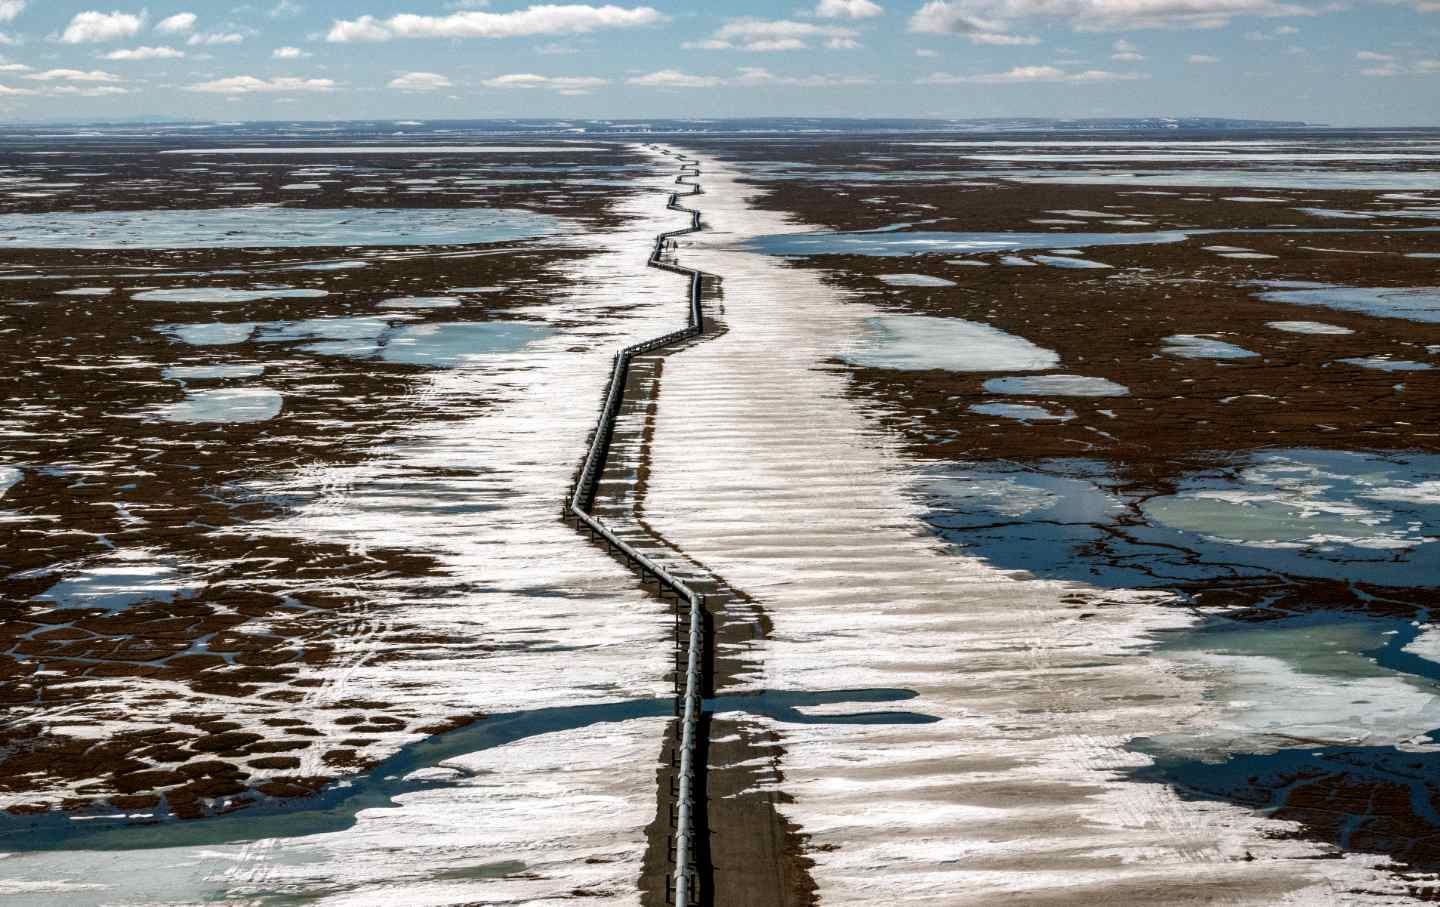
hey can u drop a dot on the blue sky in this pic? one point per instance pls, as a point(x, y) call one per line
point(1354, 62)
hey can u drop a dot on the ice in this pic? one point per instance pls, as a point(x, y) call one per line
point(913, 243)
point(226, 404)
point(201, 372)
point(1410, 303)
point(228, 228)
point(1380, 363)
point(1308, 327)
point(218, 334)
point(915, 280)
point(118, 580)
point(360, 148)
point(455, 345)
point(1060, 261)
point(1056, 386)
point(9, 477)
point(1200, 346)
point(225, 294)
point(421, 302)
point(913, 342)
point(1020, 412)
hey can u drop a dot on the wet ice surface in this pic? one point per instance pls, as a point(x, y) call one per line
point(219, 334)
point(1021, 412)
point(1056, 386)
point(121, 580)
point(202, 372)
point(923, 342)
point(1308, 327)
point(870, 243)
point(1380, 363)
point(1061, 261)
point(453, 345)
point(361, 148)
point(221, 404)
point(85, 291)
point(1016, 794)
point(233, 228)
point(9, 476)
point(421, 302)
point(915, 280)
point(1197, 346)
point(225, 294)
point(390, 338)
point(1251, 179)
point(1410, 303)
point(466, 471)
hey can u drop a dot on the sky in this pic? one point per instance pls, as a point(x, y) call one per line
point(1353, 62)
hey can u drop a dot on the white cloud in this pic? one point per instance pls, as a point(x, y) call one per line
point(1287, 30)
point(555, 49)
point(228, 37)
point(745, 77)
point(566, 85)
point(752, 76)
point(1428, 66)
point(87, 91)
point(145, 53)
point(1002, 39)
point(1371, 55)
point(286, 9)
point(568, 19)
point(9, 9)
point(14, 67)
point(775, 34)
point(251, 85)
point(926, 52)
point(7, 91)
point(1033, 74)
point(1125, 52)
point(289, 53)
point(942, 17)
point(1381, 72)
point(674, 78)
point(176, 24)
point(848, 9)
point(74, 75)
point(93, 27)
point(1201, 59)
point(421, 81)
point(967, 16)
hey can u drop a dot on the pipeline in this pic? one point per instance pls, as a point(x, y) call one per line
point(579, 505)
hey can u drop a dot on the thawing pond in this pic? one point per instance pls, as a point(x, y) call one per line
point(231, 228)
point(914, 342)
point(223, 404)
point(1251, 179)
point(439, 345)
point(1308, 327)
point(1056, 386)
point(1409, 303)
point(1351, 517)
point(226, 294)
point(896, 243)
point(1198, 346)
